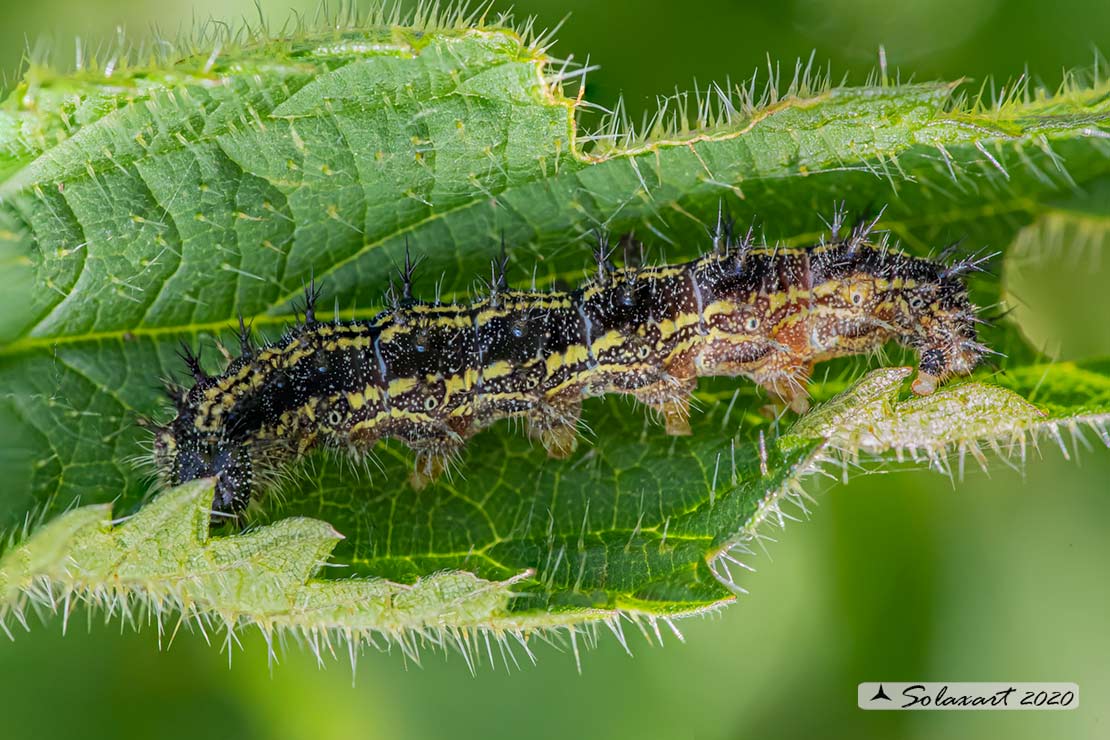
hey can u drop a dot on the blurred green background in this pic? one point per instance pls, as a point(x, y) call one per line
point(898, 577)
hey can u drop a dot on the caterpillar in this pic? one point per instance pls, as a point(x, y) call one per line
point(433, 374)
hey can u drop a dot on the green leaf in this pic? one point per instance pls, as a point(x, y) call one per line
point(164, 554)
point(155, 206)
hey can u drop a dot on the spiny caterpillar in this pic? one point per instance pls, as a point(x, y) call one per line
point(433, 374)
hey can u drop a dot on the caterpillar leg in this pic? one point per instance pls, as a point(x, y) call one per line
point(671, 399)
point(676, 418)
point(788, 386)
point(428, 468)
point(924, 384)
point(433, 457)
point(556, 426)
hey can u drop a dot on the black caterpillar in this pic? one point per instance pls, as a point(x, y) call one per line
point(434, 374)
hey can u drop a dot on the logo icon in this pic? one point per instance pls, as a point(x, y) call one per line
point(880, 694)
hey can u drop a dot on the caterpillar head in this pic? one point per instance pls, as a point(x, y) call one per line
point(183, 453)
point(943, 321)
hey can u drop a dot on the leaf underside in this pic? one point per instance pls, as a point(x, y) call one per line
point(153, 207)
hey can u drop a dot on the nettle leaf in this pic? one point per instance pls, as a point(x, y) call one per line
point(156, 204)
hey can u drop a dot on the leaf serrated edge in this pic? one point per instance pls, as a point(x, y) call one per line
point(868, 423)
point(162, 567)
